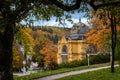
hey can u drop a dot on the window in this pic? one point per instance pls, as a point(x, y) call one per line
point(64, 50)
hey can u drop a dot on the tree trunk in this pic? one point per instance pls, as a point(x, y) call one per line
point(6, 56)
point(113, 38)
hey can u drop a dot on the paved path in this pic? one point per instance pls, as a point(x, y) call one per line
point(57, 76)
point(22, 74)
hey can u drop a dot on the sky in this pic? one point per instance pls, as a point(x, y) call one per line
point(52, 22)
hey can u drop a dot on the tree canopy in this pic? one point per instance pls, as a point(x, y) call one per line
point(13, 11)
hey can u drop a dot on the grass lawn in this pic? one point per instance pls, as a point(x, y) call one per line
point(45, 73)
point(103, 74)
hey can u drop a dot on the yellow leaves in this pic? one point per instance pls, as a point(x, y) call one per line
point(28, 30)
point(17, 57)
point(26, 38)
point(23, 36)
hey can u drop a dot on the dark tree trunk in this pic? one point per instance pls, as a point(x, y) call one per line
point(6, 56)
point(113, 38)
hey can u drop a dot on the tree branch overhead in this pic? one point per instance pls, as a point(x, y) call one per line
point(77, 4)
point(67, 8)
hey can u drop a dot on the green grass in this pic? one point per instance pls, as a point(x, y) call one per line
point(45, 73)
point(103, 74)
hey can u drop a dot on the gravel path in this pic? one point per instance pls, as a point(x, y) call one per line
point(57, 76)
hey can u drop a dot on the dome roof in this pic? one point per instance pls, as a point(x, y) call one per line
point(78, 31)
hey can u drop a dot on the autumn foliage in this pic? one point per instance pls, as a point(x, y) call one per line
point(98, 37)
point(38, 42)
point(101, 38)
point(17, 57)
point(50, 52)
point(100, 34)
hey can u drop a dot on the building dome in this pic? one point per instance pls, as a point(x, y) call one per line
point(78, 31)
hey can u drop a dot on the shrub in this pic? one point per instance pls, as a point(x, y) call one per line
point(75, 63)
point(52, 66)
point(94, 59)
point(100, 58)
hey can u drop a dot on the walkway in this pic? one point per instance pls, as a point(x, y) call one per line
point(22, 74)
point(57, 76)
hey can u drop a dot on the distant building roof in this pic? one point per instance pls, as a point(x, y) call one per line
point(78, 31)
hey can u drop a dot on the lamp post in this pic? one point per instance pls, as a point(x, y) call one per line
point(24, 69)
point(24, 62)
point(110, 51)
point(88, 51)
point(88, 55)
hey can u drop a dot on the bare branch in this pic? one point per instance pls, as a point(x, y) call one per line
point(92, 4)
point(77, 4)
point(22, 10)
point(67, 8)
point(116, 3)
point(95, 7)
point(22, 14)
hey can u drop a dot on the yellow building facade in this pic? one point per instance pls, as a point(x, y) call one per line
point(73, 46)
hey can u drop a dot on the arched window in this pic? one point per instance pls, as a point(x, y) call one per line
point(64, 55)
point(64, 49)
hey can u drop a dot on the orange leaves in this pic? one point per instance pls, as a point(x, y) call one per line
point(91, 32)
point(100, 20)
point(98, 37)
point(50, 52)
